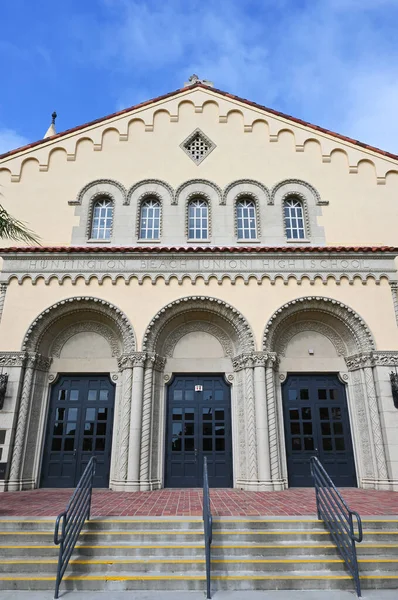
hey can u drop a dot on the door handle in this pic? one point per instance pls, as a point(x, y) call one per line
point(74, 452)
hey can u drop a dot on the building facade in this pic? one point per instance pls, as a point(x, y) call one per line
point(214, 279)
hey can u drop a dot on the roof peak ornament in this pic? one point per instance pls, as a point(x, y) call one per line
point(51, 130)
point(193, 79)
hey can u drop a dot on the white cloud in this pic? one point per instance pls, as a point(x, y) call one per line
point(330, 62)
point(10, 139)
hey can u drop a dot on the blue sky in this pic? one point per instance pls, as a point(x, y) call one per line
point(331, 62)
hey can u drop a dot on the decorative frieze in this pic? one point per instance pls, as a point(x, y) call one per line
point(12, 359)
point(184, 264)
point(372, 359)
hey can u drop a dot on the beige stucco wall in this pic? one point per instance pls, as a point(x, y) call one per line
point(140, 303)
point(251, 144)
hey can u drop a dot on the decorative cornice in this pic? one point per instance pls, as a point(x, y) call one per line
point(372, 359)
point(193, 262)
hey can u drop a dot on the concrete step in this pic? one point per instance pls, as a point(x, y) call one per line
point(220, 566)
point(188, 581)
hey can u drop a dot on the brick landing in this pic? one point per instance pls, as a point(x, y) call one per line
point(188, 502)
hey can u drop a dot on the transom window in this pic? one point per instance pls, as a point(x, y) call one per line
point(198, 220)
point(101, 227)
point(150, 220)
point(246, 220)
point(294, 219)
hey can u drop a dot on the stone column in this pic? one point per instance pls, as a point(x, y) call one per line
point(263, 454)
point(376, 428)
point(273, 424)
point(154, 362)
point(133, 471)
point(394, 291)
point(244, 362)
point(3, 290)
point(125, 366)
point(23, 411)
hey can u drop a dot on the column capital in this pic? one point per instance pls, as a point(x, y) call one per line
point(134, 359)
point(254, 359)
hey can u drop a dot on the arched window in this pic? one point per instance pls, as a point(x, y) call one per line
point(150, 220)
point(294, 219)
point(246, 220)
point(198, 220)
point(101, 226)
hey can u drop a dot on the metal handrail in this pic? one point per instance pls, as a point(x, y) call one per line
point(208, 525)
point(73, 518)
point(338, 518)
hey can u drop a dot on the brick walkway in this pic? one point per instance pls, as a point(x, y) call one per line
point(188, 502)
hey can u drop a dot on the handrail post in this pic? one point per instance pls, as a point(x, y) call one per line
point(208, 527)
point(73, 519)
point(337, 517)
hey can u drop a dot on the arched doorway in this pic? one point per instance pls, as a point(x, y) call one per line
point(198, 410)
point(319, 404)
point(66, 411)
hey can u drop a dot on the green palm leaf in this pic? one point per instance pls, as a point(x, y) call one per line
point(13, 229)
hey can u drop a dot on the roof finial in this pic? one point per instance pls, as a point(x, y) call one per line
point(194, 79)
point(51, 130)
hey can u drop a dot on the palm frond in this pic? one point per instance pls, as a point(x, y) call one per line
point(13, 229)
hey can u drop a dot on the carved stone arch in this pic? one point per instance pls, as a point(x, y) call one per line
point(150, 187)
point(40, 335)
point(198, 187)
point(297, 186)
point(85, 326)
point(215, 330)
point(98, 187)
point(344, 320)
point(310, 325)
point(246, 187)
point(211, 310)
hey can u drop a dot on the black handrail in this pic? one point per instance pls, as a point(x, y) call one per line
point(337, 517)
point(208, 525)
point(73, 518)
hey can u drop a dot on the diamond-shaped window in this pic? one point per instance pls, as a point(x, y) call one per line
point(197, 146)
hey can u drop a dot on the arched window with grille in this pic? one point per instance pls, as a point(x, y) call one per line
point(294, 219)
point(102, 220)
point(246, 219)
point(198, 220)
point(150, 219)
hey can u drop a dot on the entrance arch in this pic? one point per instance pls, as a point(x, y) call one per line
point(77, 336)
point(298, 332)
point(199, 339)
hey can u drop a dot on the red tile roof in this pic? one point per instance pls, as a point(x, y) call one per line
point(193, 249)
point(217, 91)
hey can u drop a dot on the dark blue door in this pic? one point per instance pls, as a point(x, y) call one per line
point(79, 426)
point(317, 423)
point(198, 425)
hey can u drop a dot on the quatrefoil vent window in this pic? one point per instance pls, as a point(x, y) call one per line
point(197, 146)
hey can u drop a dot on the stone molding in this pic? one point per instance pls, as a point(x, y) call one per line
point(177, 334)
point(372, 359)
point(270, 265)
point(198, 187)
point(298, 183)
point(246, 187)
point(82, 327)
point(242, 331)
point(310, 325)
point(101, 183)
point(149, 187)
point(357, 330)
point(78, 304)
point(25, 359)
